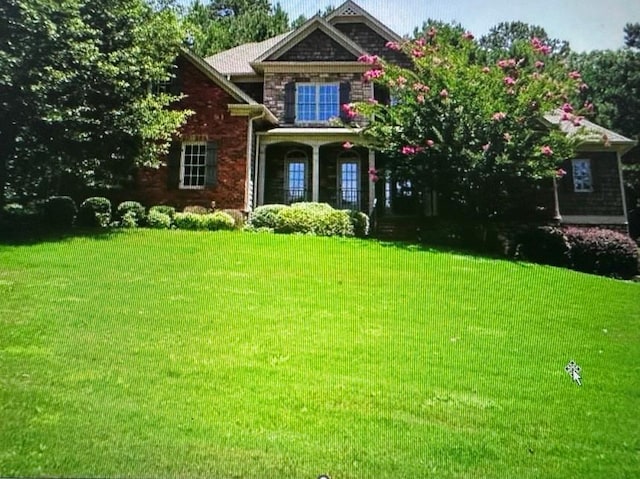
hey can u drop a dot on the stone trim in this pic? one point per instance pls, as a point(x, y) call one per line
point(311, 67)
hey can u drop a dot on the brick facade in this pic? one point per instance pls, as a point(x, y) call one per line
point(211, 122)
point(274, 87)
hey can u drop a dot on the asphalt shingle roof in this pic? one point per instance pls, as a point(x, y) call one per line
point(594, 133)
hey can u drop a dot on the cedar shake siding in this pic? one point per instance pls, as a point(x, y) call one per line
point(317, 47)
point(211, 123)
point(372, 43)
point(274, 98)
point(606, 197)
point(254, 89)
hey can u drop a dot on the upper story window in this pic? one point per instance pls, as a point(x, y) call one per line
point(317, 102)
point(582, 180)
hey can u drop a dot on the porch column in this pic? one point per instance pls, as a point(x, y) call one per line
point(372, 185)
point(315, 174)
point(262, 162)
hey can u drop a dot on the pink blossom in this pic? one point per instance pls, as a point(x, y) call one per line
point(510, 63)
point(546, 150)
point(577, 121)
point(468, 35)
point(417, 53)
point(373, 101)
point(373, 74)
point(567, 108)
point(347, 145)
point(583, 87)
point(411, 150)
point(393, 45)
point(560, 173)
point(539, 64)
point(486, 147)
point(509, 81)
point(535, 75)
point(369, 59)
point(575, 75)
point(566, 117)
point(421, 42)
point(349, 110)
point(499, 116)
point(486, 70)
point(401, 81)
point(540, 47)
point(420, 98)
point(373, 175)
point(430, 143)
point(588, 105)
point(444, 93)
point(432, 32)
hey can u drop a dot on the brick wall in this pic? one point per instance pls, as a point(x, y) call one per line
point(275, 82)
point(606, 197)
point(211, 122)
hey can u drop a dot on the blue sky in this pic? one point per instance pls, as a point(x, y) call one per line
point(586, 24)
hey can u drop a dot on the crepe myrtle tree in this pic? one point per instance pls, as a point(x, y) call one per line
point(474, 132)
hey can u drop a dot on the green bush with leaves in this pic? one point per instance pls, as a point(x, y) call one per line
point(135, 211)
point(94, 212)
point(158, 220)
point(196, 209)
point(238, 217)
point(212, 221)
point(164, 209)
point(295, 220)
point(220, 221)
point(544, 245)
point(265, 216)
point(359, 223)
point(60, 212)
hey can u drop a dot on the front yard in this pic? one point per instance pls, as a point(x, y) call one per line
point(197, 354)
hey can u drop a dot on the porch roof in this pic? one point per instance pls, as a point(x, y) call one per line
point(310, 135)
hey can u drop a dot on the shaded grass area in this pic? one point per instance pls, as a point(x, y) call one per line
point(185, 354)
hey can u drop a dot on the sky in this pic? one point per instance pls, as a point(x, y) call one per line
point(586, 24)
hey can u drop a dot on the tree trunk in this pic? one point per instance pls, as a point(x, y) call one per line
point(7, 150)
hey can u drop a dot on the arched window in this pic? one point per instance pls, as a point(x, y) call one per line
point(295, 176)
point(349, 180)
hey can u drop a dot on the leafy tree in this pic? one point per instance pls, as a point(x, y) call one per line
point(473, 132)
point(632, 35)
point(504, 36)
point(223, 24)
point(75, 97)
point(302, 19)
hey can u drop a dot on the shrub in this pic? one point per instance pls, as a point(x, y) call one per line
point(332, 223)
point(314, 208)
point(359, 222)
point(195, 209)
point(190, 221)
point(164, 209)
point(220, 221)
point(157, 219)
point(60, 211)
point(543, 244)
point(238, 217)
point(129, 220)
point(94, 212)
point(17, 218)
point(314, 218)
point(265, 216)
point(294, 220)
point(603, 252)
point(135, 210)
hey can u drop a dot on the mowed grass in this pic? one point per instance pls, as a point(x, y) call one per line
point(185, 354)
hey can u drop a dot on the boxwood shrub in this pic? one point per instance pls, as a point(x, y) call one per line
point(544, 245)
point(60, 212)
point(94, 212)
point(212, 221)
point(359, 222)
point(265, 216)
point(157, 219)
point(199, 210)
point(165, 209)
point(135, 211)
point(238, 217)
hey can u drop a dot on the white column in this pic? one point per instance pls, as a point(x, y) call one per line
point(315, 174)
point(261, 172)
point(372, 185)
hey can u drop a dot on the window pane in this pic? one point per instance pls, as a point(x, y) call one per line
point(296, 181)
point(193, 173)
point(582, 175)
point(349, 185)
point(306, 102)
point(328, 102)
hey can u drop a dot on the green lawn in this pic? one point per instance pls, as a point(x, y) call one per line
point(184, 354)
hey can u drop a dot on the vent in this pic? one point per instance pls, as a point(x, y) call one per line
point(348, 12)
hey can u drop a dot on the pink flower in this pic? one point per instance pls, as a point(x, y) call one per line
point(499, 116)
point(560, 173)
point(509, 81)
point(546, 150)
point(567, 108)
point(468, 35)
point(417, 53)
point(347, 145)
point(432, 32)
point(421, 42)
point(535, 75)
point(540, 47)
point(575, 75)
point(486, 70)
point(444, 93)
point(373, 74)
point(349, 110)
point(401, 81)
point(369, 59)
point(588, 105)
point(539, 64)
point(420, 98)
point(583, 87)
point(566, 117)
point(393, 45)
point(486, 147)
point(408, 150)
point(577, 121)
point(373, 175)
point(430, 143)
point(373, 101)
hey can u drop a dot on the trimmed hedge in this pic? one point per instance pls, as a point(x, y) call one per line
point(94, 212)
point(60, 212)
point(158, 220)
point(238, 217)
point(360, 223)
point(196, 209)
point(544, 245)
point(265, 216)
point(134, 210)
point(164, 209)
point(211, 222)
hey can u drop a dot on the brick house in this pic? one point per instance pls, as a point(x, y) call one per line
point(262, 131)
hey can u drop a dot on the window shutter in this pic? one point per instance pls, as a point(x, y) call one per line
point(345, 97)
point(567, 180)
point(290, 102)
point(175, 84)
point(173, 165)
point(211, 170)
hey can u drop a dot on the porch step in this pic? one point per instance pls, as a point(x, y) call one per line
point(397, 228)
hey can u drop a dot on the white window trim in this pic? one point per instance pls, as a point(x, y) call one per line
point(296, 156)
point(316, 85)
point(349, 157)
point(182, 165)
point(575, 189)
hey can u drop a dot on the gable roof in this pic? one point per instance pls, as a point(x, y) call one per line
point(593, 134)
point(210, 72)
point(237, 61)
point(349, 11)
point(311, 25)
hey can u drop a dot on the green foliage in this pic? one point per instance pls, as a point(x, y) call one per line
point(136, 210)
point(472, 131)
point(60, 212)
point(129, 220)
point(313, 218)
point(94, 212)
point(603, 252)
point(238, 217)
point(544, 245)
point(265, 216)
point(632, 35)
point(164, 209)
point(503, 38)
point(196, 209)
point(210, 221)
point(74, 81)
point(158, 220)
point(220, 220)
point(359, 222)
